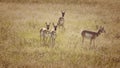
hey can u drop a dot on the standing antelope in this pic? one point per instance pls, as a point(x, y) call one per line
point(53, 34)
point(91, 35)
point(44, 32)
point(61, 20)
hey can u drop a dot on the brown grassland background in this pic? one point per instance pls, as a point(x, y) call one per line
point(21, 20)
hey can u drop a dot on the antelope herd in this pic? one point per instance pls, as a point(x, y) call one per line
point(47, 34)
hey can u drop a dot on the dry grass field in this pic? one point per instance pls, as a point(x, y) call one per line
point(21, 20)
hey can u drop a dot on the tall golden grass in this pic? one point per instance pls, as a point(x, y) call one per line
point(50, 1)
point(20, 41)
point(63, 1)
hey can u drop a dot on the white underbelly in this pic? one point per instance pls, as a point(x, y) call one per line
point(88, 35)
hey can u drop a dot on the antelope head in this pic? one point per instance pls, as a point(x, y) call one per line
point(63, 13)
point(101, 30)
point(55, 26)
point(47, 25)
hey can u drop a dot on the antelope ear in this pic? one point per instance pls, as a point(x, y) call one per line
point(103, 27)
point(97, 27)
point(64, 11)
point(56, 24)
point(61, 11)
point(53, 24)
point(100, 27)
point(46, 23)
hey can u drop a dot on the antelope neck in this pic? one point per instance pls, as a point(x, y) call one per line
point(98, 33)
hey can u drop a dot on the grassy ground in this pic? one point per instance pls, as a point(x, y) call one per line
point(20, 42)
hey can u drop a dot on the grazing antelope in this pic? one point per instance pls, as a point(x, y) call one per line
point(53, 34)
point(44, 32)
point(61, 20)
point(91, 35)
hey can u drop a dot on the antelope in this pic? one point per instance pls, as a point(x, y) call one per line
point(53, 34)
point(91, 35)
point(44, 31)
point(61, 20)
